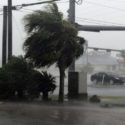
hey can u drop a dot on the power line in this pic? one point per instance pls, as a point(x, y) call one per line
point(63, 1)
point(22, 11)
point(98, 4)
point(117, 0)
point(100, 21)
point(97, 12)
point(90, 22)
point(28, 9)
point(79, 2)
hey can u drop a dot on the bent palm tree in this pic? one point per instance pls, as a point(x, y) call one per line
point(51, 39)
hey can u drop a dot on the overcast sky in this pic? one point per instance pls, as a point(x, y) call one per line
point(97, 12)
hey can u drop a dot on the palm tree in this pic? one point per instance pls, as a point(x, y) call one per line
point(51, 39)
point(46, 85)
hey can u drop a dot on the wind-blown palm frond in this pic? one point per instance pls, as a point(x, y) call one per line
point(49, 20)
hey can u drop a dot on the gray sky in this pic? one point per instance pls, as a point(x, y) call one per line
point(101, 12)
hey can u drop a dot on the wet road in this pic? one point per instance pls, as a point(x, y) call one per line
point(100, 90)
point(34, 114)
point(106, 91)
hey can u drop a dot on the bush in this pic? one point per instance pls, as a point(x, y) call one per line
point(17, 76)
point(47, 84)
point(94, 99)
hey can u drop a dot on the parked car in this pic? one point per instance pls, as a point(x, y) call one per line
point(109, 78)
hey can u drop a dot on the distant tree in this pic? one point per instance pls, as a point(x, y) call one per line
point(51, 39)
point(123, 53)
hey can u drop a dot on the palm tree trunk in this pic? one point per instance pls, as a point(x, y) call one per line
point(61, 87)
point(45, 96)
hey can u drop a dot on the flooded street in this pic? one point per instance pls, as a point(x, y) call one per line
point(66, 114)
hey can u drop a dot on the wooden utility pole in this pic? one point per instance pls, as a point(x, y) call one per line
point(9, 29)
point(72, 20)
point(4, 40)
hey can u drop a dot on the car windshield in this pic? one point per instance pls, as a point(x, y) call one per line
point(113, 74)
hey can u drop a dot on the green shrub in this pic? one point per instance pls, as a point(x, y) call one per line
point(47, 84)
point(17, 76)
point(94, 99)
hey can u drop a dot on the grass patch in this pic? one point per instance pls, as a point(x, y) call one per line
point(113, 99)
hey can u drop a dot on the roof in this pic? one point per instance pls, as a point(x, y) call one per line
point(97, 58)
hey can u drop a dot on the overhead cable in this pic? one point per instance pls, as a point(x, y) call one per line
point(100, 21)
point(79, 2)
point(98, 4)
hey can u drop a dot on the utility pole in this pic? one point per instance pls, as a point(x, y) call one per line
point(9, 29)
point(72, 20)
point(72, 11)
point(4, 40)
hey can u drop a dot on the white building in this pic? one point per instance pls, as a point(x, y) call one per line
point(99, 61)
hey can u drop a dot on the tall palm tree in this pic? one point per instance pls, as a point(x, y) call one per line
point(51, 39)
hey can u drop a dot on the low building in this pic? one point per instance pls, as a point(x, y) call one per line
point(97, 61)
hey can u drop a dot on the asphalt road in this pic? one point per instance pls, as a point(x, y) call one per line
point(39, 114)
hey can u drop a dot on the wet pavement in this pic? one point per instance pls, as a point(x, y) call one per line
point(113, 90)
point(60, 114)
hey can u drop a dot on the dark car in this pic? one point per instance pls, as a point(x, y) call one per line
point(110, 78)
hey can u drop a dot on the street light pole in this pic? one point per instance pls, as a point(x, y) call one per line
point(9, 29)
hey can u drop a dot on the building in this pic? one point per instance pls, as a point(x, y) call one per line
point(97, 61)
